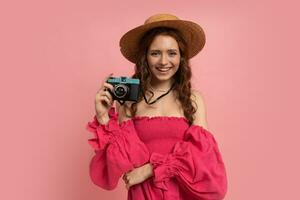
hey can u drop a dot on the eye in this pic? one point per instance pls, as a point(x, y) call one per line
point(173, 53)
point(154, 53)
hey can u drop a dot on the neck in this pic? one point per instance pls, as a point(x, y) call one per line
point(162, 86)
point(160, 89)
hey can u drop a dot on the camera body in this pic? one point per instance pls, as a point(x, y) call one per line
point(125, 89)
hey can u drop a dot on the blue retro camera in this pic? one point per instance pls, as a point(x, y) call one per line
point(125, 89)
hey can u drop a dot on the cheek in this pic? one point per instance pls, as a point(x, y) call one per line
point(151, 64)
point(176, 62)
point(152, 61)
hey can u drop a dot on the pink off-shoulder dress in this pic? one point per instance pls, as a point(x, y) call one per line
point(187, 164)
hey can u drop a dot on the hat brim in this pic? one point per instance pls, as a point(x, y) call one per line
point(191, 32)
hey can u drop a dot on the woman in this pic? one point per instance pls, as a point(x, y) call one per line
point(161, 143)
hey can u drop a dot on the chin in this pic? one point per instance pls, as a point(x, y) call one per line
point(163, 77)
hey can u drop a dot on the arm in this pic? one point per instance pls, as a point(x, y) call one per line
point(117, 150)
point(123, 114)
point(200, 115)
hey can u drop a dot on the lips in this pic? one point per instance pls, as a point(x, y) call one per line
point(163, 69)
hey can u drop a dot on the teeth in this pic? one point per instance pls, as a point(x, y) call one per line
point(163, 69)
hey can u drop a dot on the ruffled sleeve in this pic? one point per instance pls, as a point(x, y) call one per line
point(117, 150)
point(196, 163)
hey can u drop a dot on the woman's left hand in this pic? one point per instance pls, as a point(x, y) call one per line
point(138, 175)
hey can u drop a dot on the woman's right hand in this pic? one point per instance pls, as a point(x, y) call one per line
point(104, 101)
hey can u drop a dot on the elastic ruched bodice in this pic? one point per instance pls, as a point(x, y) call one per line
point(159, 133)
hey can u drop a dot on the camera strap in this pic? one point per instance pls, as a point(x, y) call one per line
point(149, 103)
point(121, 101)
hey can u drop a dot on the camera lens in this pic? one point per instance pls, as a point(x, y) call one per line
point(120, 90)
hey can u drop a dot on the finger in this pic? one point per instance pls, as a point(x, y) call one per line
point(105, 95)
point(102, 100)
point(126, 181)
point(108, 85)
point(107, 77)
point(109, 96)
point(101, 93)
point(101, 90)
point(124, 177)
point(109, 102)
point(105, 99)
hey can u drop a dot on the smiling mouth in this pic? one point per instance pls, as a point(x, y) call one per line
point(163, 69)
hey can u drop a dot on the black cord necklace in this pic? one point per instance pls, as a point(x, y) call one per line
point(149, 103)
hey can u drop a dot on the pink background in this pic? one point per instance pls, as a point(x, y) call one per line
point(54, 55)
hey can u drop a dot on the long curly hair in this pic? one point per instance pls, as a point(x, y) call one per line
point(182, 76)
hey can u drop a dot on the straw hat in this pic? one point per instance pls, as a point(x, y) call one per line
point(192, 33)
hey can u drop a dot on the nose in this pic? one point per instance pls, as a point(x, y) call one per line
point(164, 59)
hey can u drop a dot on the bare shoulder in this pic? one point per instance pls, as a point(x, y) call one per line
point(200, 115)
point(123, 113)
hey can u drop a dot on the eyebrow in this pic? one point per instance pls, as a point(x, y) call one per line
point(159, 50)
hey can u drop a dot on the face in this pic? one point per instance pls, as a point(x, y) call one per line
point(163, 57)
